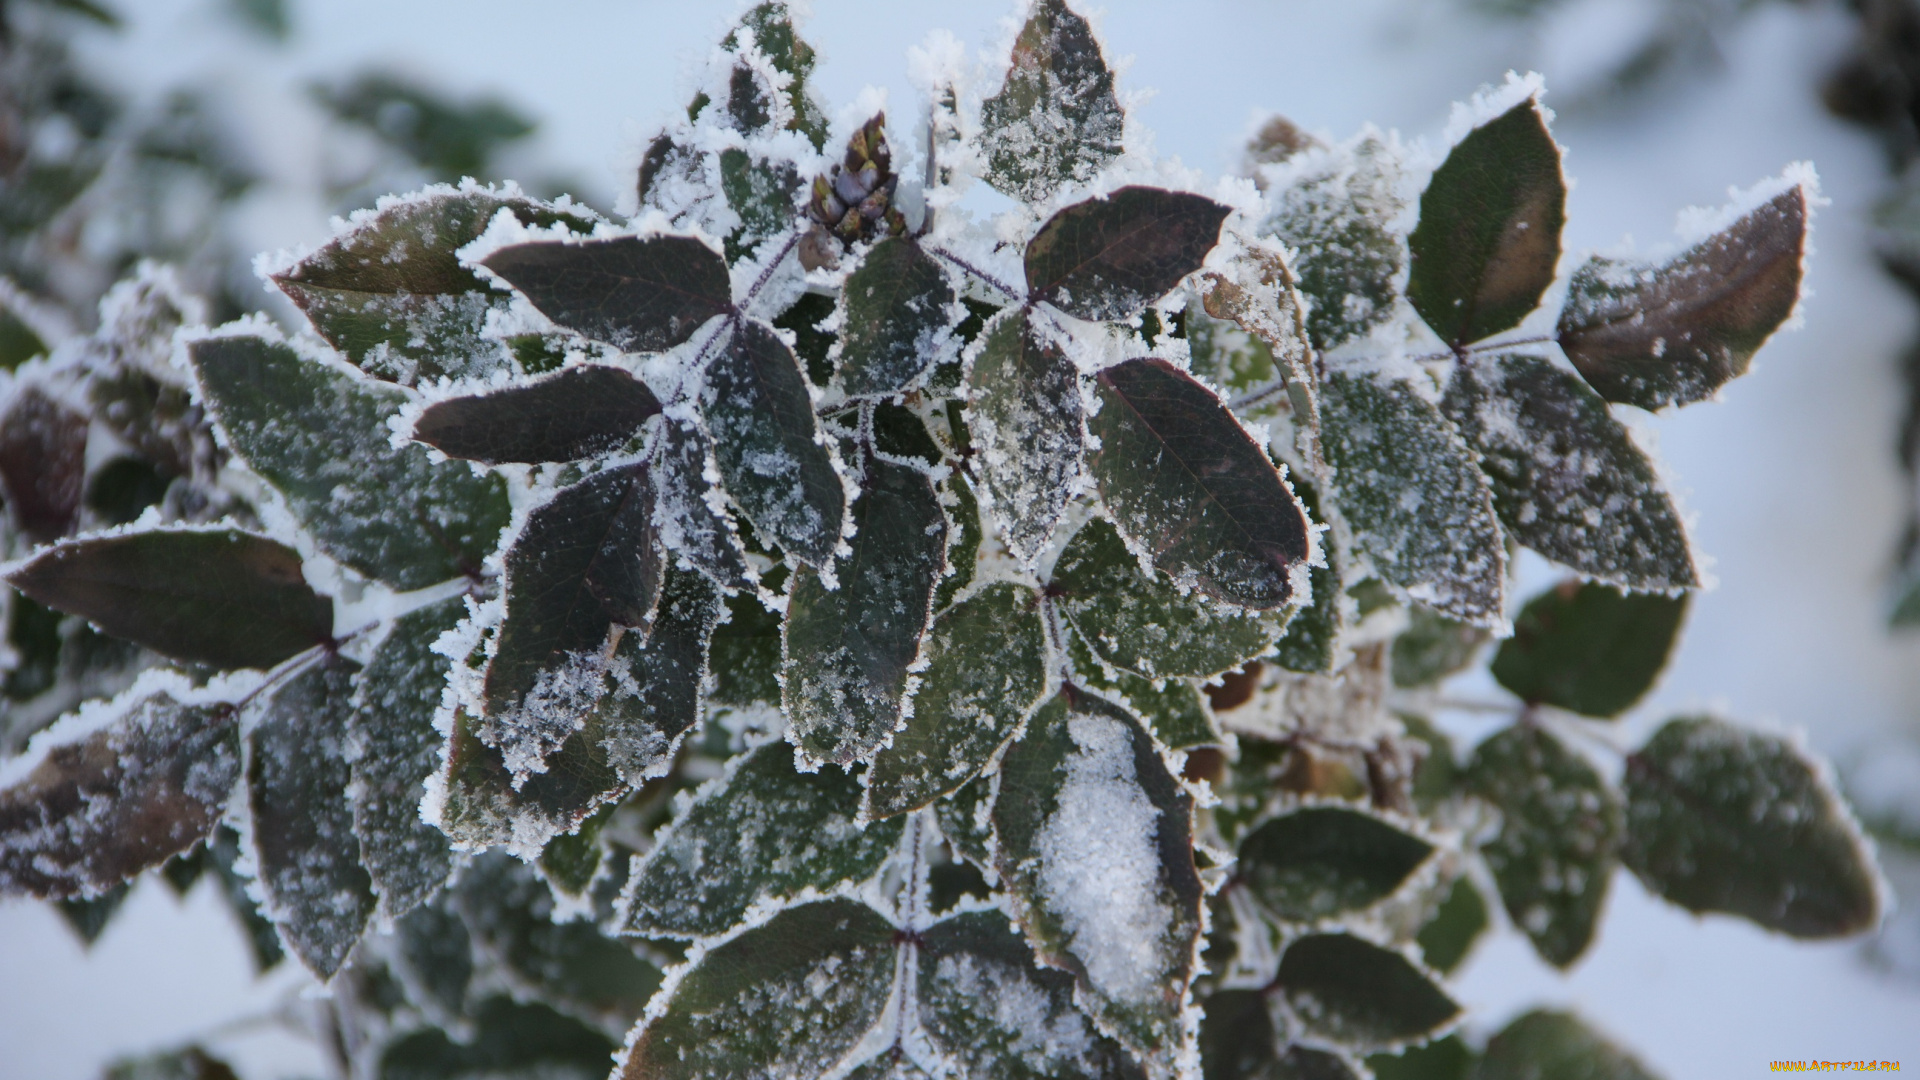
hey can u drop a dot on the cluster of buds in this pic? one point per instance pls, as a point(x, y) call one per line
point(855, 200)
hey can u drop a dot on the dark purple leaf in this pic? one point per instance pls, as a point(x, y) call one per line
point(1108, 258)
point(580, 412)
point(641, 294)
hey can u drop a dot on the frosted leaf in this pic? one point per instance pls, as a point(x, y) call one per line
point(1185, 484)
point(990, 1011)
point(986, 672)
point(1108, 257)
point(966, 822)
point(964, 534)
point(511, 1041)
point(654, 680)
point(1238, 1042)
point(569, 965)
point(1339, 988)
point(226, 598)
point(1433, 647)
point(1489, 232)
point(895, 313)
point(783, 1001)
point(1672, 334)
point(577, 413)
point(1056, 120)
point(1173, 709)
point(1589, 648)
point(1094, 846)
point(1323, 861)
point(687, 513)
point(1336, 206)
point(1141, 622)
point(745, 654)
point(845, 653)
point(391, 294)
point(771, 25)
point(43, 464)
point(395, 751)
point(1261, 298)
point(1724, 819)
point(432, 955)
point(486, 803)
point(1456, 925)
point(1554, 853)
point(1567, 479)
point(759, 412)
point(1029, 427)
point(763, 831)
point(1543, 1042)
point(94, 813)
point(1313, 638)
point(320, 437)
point(1409, 490)
point(317, 892)
point(762, 193)
point(636, 293)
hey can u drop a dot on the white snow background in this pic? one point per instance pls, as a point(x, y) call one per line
point(1792, 477)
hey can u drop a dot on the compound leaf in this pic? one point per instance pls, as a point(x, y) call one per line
point(228, 598)
point(1056, 121)
point(654, 681)
point(895, 317)
point(767, 444)
point(1409, 489)
point(636, 293)
point(1544, 1042)
point(1323, 861)
point(1724, 819)
point(762, 831)
point(1029, 427)
point(790, 998)
point(317, 892)
point(1567, 479)
point(319, 436)
point(845, 652)
point(986, 672)
point(1559, 835)
point(1109, 257)
point(1489, 232)
point(1341, 988)
point(1095, 848)
point(1672, 334)
point(94, 813)
point(1590, 648)
point(580, 412)
point(1185, 482)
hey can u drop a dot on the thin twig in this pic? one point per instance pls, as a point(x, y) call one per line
point(1011, 293)
point(1259, 395)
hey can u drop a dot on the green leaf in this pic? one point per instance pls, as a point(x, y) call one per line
point(963, 537)
point(966, 822)
point(1416, 502)
point(1438, 773)
point(1312, 641)
point(571, 861)
point(1321, 861)
point(1442, 1059)
point(511, 1041)
point(1489, 232)
point(317, 892)
point(392, 295)
point(1456, 924)
point(1672, 334)
point(580, 412)
point(845, 653)
point(43, 464)
point(1094, 845)
point(990, 1010)
point(395, 751)
point(986, 672)
point(94, 813)
point(1559, 837)
point(1433, 647)
point(655, 680)
point(1142, 623)
point(698, 533)
point(762, 831)
point(1724, 819)
point(745, 654)
point(569, 965)
point(790, 998)
point(1589, 648)
point(761, 192)
point(18, 342)
point(1173, 709)
point(636, 293)
point(1341, 988)
point(1186, 484)
point(228, 598)
point(88, 916)
point(1547, 1043)
point(487, 803)
point(1567, 479)
point(895, 309)
point(772, 27)
point(433, 958)
point(320, 438)
point(223, 853)
point(1238, 1042)
point(1336, 210)
point(1029, 428)
point(192, 1063)
point(768, 445)
point(1107, 258)
point(1056, 120)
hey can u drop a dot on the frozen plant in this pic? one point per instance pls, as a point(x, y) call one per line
point(806, 629)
